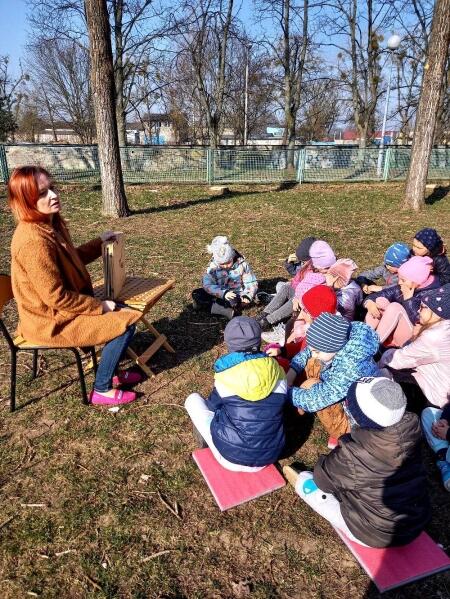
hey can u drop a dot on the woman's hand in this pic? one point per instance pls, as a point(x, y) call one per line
point(108, 235)
point(296, 306)
point(230, 295)
point(108, 306)
point(440, 428)
point(245, 299)
point(292, 258)
point(372, 309)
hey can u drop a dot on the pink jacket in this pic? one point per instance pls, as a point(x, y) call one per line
point(429, 358)
point(310, 280)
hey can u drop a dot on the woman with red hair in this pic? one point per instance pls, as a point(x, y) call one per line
point(53, 289)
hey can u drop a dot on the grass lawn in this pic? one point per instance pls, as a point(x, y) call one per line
point(101, 481)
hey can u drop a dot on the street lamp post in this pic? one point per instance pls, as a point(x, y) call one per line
point(392, 44)
point(247, 60)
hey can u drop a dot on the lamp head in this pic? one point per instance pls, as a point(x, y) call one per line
point(394, 42)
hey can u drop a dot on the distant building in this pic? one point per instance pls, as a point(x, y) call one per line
point(154, 129)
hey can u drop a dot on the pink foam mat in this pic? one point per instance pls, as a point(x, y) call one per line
point(233, 488)
point(395, 566)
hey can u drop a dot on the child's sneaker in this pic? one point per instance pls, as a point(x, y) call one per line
point(332, 443)
point(219, 310)
point(277, 335)
point(444, 467)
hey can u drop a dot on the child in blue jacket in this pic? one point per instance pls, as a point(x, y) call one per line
point(242, 419)
point(345, 352)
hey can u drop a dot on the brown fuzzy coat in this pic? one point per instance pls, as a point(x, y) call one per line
point(53, 289)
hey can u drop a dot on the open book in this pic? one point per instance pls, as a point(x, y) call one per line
point(113, 266)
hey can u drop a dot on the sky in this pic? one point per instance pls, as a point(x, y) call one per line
point(13, 34)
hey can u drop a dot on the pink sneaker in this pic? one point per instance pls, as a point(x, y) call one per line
point(120, 397)
point(127, 377)
point(332, 443)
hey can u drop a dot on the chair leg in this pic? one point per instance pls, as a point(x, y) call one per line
point(12, 400)
point(35, 363)
point(94, 360)
point(81, 375)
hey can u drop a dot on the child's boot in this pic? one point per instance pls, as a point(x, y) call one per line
point(444, 467)
point(219, 310)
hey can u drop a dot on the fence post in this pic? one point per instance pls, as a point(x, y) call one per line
point(210, 166)
point(4, 165)
point(301, 165)
point(387, 161)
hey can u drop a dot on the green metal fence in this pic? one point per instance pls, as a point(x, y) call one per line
point(160, 164)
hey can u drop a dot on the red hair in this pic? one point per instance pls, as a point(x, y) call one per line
point(23, 193)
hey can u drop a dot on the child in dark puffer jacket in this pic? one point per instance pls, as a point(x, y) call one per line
point(373, 486)
point(242, 419)
point(428, 242)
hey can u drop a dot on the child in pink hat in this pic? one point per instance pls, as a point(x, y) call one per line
point(394, 311)
point(348, 292)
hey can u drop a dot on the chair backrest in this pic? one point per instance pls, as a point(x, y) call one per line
point(6, 292)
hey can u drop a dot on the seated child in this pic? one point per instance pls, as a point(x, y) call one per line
point(348, 292)
point(313, 303)
point(394, 311)
point(281, 307)
point(229, 283)
point(396, 255)
point(428, 242)
point(373, 486)
point(295, 262)
point(436, 426)
point(425, 360)
point(242, 419)
point(345, 351)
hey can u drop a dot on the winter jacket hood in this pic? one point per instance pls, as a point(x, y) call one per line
point(252, 376)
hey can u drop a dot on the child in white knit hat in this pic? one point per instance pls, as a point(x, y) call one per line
point(229, 283)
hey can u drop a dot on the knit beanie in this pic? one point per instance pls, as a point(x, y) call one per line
point(221, 249)
point(431, 239)
point(438, 300)
point(418, 270)
point(343, 270)
point(319, 299)
point(242, 334)
point(397, 254)
point(375, 402)
point(328, 333)
point(321, 254)
point(302, 251)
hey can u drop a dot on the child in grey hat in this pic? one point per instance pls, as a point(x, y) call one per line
point(242, 419)
point(373, 486)
point(229, 283)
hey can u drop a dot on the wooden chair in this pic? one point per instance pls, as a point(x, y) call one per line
point(20, 344)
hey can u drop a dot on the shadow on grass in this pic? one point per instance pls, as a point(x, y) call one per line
point(439, 193)
point(181, 205)
point(192, 333)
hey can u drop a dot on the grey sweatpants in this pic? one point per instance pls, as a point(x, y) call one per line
point(280, 308)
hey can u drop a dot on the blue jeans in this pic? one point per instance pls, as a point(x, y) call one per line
point(111, 354)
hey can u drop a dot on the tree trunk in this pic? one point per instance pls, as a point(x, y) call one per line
point(119, 78)
point(103, 92)
point(429, 103)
